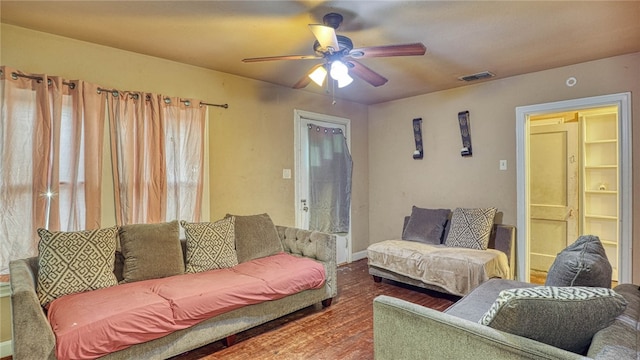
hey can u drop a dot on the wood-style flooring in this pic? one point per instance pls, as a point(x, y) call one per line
point(342, 331)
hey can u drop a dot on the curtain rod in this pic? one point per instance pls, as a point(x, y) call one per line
point(15, 75)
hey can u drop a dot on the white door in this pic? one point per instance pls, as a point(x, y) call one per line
point(302, 120)
point(553, 191)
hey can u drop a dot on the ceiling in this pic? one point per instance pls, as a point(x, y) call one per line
point(462, 37)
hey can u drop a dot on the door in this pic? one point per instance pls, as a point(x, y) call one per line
point(304, 186)
point(554, 188)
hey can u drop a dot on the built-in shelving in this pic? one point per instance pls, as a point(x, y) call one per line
point(599, 186)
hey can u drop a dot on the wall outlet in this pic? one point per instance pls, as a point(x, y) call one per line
point(286, 173)
point(503, 164)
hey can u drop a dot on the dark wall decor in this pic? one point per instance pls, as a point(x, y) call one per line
point(417, 136)
point(463, 121)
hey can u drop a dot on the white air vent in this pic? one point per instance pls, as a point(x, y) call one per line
point(477, 76)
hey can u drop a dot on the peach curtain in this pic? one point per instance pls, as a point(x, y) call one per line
point(157, 153)
point(50, 169)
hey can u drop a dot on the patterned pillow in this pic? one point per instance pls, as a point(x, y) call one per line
point(471, 228)
point(210, 245)
point(71, 262)
point(564, 317)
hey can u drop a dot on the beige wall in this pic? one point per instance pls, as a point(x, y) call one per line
point(444, 178)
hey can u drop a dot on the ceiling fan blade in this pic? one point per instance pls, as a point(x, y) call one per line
point(326, 36)
point(388, 50)
point(305, 80)
point(284, 57)
point(366, 74)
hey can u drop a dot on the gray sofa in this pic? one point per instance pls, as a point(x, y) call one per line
point(403, 330)
point(33, 337)
point(575, 315)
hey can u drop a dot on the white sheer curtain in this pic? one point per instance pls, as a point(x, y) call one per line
point(157, 147)
point(330, 168)
point(50, 137)
point(184, 149)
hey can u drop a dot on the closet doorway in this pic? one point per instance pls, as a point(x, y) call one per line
point(574, 178)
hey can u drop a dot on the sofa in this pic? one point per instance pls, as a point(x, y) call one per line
point(445, 251)
point(582, 318)
point(181, 296)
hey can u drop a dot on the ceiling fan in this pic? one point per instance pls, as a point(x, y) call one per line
point(340, 58)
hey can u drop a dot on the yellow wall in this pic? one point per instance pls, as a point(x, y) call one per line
point(444, 178)
point(249, 143)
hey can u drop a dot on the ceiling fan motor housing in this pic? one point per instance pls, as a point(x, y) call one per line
point(344, 43)
point(332, 19)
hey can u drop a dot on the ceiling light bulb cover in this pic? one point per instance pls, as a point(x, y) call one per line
point(318, 75)
point(344, 80)
point(338, 69)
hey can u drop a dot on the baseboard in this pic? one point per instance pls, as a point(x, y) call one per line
point(6, 349)
point(359, 255)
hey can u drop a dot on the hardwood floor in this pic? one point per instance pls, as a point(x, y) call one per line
point(342, 331)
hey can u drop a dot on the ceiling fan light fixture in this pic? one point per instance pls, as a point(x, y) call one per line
point(344, 81)
point(318, 75)
point(340, 72)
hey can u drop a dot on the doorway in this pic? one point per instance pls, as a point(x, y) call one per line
point(553, 188)
point(303, 197)
point(602, 180)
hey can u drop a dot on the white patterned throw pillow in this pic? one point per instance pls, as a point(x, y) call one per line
point(210, 245)
point(564, 317)
point(72, 262)
point(471, 228)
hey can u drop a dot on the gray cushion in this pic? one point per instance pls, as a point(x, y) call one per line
point(151, 251)
point(583, 263)
point(471, 228)
point(63, 271)
point(564, 317)
point(426, 225)
point(256, 237)
point(210, 245)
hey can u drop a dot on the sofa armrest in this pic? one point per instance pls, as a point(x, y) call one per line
point(403, 330)
point(315, 245)
point(311, 244)
point(504, 239)
point(32, 334)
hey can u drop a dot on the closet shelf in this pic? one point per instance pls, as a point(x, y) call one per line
point(601, 217)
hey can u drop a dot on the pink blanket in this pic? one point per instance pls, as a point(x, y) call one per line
point(92, 324)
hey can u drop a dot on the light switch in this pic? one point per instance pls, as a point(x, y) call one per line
point(503, 164)
point(286, 173)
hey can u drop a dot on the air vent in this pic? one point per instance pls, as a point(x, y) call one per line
point(477, 76)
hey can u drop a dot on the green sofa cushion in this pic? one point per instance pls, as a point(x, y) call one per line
point(256, 237)
point(151, 251)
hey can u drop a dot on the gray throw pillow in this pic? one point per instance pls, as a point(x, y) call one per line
point(471, 228)
point(256, 237)
point(151, 251)
point(564, 317)
point(426, 225)
point(583, 263)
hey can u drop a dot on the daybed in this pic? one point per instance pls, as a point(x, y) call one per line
point(578, 317)
point(446, 252)
point(165, 305)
